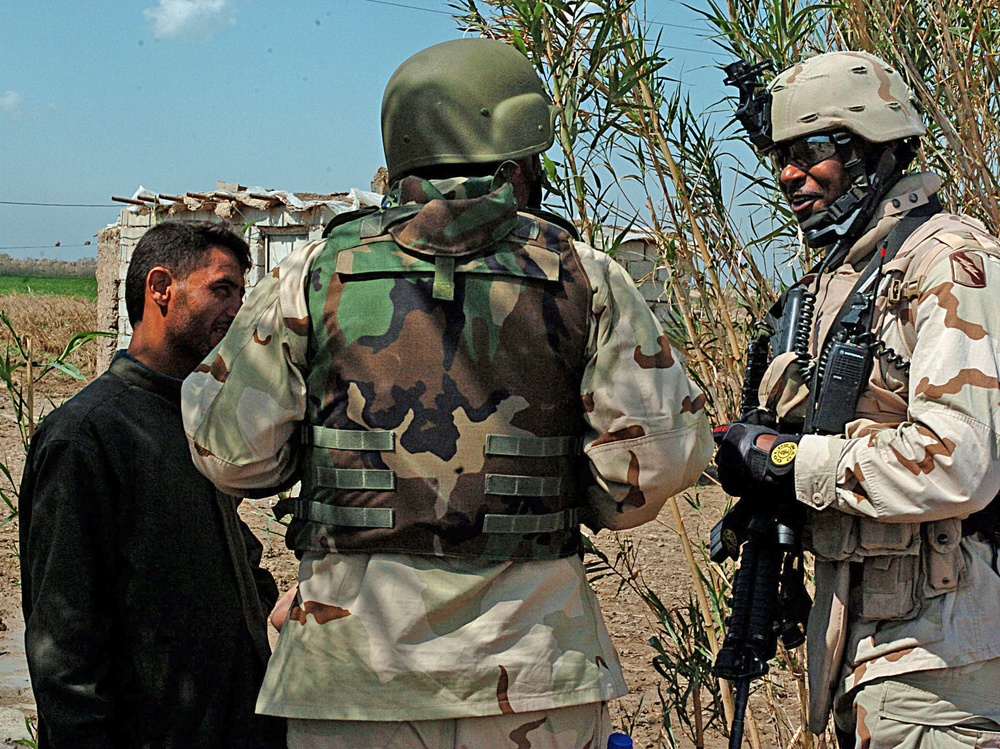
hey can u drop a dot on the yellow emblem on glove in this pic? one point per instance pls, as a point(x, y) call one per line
point(784, 453)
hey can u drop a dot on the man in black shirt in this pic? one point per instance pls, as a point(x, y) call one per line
point(143, 597)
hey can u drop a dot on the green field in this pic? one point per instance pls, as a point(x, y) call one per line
point(49, 285)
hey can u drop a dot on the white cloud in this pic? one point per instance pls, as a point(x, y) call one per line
point(12, 103)
point(194, 20)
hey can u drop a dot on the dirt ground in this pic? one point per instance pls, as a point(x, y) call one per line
point(661, 564)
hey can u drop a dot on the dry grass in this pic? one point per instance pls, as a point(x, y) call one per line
point(51, 321)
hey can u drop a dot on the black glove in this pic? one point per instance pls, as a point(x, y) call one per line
point(745, 468)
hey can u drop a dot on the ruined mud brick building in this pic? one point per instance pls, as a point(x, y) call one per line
point(274, 223)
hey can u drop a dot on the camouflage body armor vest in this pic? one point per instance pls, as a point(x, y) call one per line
point(444, 415)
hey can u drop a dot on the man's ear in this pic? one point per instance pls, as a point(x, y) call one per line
point(160, 287)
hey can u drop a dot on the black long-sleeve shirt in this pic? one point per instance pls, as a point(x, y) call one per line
point(143, 597)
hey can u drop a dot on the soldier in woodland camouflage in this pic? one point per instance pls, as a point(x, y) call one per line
point(458, 382)
point(903, 638)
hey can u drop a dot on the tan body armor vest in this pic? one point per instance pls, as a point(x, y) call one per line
point(900, 564)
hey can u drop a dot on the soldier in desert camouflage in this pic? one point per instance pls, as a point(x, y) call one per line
point(458, 382)
point(903, 639)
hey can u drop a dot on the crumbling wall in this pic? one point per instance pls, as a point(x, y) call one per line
point(108, 241)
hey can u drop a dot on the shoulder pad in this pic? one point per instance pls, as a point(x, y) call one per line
point(343, 218)
point(374, 221)
point(554, 218)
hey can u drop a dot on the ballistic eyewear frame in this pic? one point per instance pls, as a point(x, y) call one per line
point(808, 150)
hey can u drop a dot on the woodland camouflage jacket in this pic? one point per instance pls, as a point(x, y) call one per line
point(921, 454)
point(435, 650)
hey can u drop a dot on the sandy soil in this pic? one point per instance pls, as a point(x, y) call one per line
point(661, 564)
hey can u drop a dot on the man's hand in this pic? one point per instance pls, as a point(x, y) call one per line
point(279, 614)
point(755, 459)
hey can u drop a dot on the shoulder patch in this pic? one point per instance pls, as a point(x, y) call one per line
point(967, 269)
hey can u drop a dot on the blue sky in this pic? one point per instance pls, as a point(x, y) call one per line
point(98, 98)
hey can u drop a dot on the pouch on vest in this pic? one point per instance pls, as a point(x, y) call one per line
point(832, 536)
point(944, 562)
point(890, 559)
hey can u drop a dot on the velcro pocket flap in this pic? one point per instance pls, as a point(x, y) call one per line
point(889, 539)
point(834, 535)
point(889, 588)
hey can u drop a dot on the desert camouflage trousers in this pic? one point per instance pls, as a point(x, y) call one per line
point(942, 709)
point(577, 727)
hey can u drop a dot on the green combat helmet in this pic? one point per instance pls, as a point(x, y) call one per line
point(468, 101)
point(847, 92)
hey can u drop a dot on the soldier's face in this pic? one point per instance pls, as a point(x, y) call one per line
point(205, 304)
point(812, 188)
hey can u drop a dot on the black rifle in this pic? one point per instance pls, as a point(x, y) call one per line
point(769, 598)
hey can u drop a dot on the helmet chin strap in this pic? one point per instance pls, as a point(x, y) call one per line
point(842, 222)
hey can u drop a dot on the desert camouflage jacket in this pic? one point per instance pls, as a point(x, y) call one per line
point(898, 586)
point(402, 637)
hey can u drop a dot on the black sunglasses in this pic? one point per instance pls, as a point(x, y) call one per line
point(808, 150)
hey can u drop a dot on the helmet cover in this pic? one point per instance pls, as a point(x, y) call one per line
point(853, 91)
point(466, 101)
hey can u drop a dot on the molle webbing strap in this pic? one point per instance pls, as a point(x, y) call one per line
point(531, 447)
point(444, 278)
point(350, 439)
point(352, 517)
point(381, 517)
point(358, 479)
point(523, 486)
point(525, 524)
point(527, 447)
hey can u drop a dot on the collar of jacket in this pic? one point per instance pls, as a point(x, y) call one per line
point(459, 216)
point(137, 374)
point(911, 191)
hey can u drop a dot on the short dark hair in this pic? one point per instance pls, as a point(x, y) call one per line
point(180, 247)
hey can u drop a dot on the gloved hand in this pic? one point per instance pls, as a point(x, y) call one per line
point(756, 460)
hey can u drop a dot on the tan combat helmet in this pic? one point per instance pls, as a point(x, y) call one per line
point(852, 91)
point(467, 101)
point(848, 94)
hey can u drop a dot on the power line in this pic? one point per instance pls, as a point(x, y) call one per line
point(48, 246)
point(61, 205)
point(410, 7)
point(653, 23)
